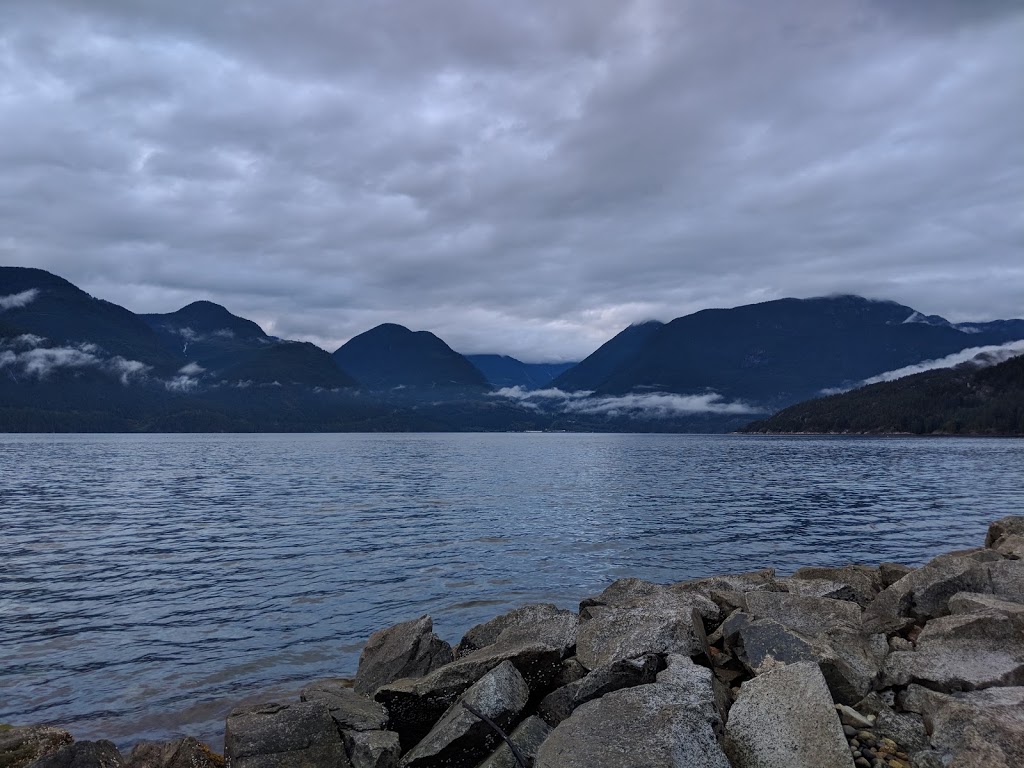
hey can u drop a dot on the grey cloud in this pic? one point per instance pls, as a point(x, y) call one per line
point(653, 405)
point(16, 300)
point(525, 178)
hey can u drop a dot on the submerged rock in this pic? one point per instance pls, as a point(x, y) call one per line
point(409, 649)
point(786, 719)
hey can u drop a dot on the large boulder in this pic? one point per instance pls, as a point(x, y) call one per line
point(82, 754)
point(864, 581)
point(21, 745)
point(1007, 579)
point(980, 729)
point(372, 749)
point(1012, 525)
point(351, 711)
point(528, 736)
point(409, 649)
point(522, 619)
point(807, 615)
point(658, 724)
point(633, 618)
point(178, 753)
point(625, 673)
point(890, 573)
point(972, 602)
point(272, 735)
point(835, 590)
point(786, 719)
point(962, 652)
point(537, 652)
point(925, 593)
point(461, 737)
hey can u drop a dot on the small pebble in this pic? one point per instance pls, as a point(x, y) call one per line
point(860, 762)
point(864, 736)
point(849, 730)
point(867, 753)
point(854, 743)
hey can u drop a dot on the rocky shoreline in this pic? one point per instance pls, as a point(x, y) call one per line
point(856, 666)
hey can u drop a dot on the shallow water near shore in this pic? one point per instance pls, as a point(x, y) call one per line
point(148, 583)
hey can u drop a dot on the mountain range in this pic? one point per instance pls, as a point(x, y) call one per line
point(69, 361)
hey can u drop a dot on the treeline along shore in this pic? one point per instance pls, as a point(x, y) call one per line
point(866, 666)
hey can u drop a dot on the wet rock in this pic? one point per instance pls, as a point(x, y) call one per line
point(409, 649)
point(925, 593)
point(460, 737)
point(537, 651)
point(963, 652)
point(890, 573)
point(864, 581)
point(179, 753)
point(907, 730)
point(372, 749)
point(649, 725)
point(82, 754)
point(487, 633)
point(976, 729)
point(283, 736)
point(807, 615)
point(528, 736)
point(351, 711)
point(561, 703)
point(785, 719)
point(1012, 525)
point(20, 745)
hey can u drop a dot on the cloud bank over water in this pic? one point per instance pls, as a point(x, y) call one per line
point(650, 405)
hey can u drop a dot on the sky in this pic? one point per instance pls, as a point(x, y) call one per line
point(525, 178)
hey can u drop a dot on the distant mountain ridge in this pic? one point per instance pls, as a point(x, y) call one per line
point(72, 361)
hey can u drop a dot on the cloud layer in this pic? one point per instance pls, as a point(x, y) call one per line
point(522, 178)
point(652, 405)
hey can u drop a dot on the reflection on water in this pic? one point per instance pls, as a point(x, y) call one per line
point(148, 583)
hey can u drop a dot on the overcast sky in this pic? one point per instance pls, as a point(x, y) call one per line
point(518, 177)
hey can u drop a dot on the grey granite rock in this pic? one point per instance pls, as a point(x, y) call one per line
point(409, 649)
point(786, 719)
point(648, 726)
point(537, 651)
point(972, 602)
point(372, 749)
point(178, 753)
point(625, 673)
point(522, 618)
point(1012, 525)
point(890, 573)
point(82, 754)
point(979, 729)
point(273, 735)
point(528, 736)
point(864, 581)
point(460, 737)
point(21, 745)
point(809, 616)
point(351, 711)
point(1007, 580)
point(907, 730)
point(807, 587)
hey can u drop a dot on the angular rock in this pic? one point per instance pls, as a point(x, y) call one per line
point(82, 754)
point(1010, 546)
point(890, 573)
point(785, 719)
point(976, 729)
point(1012, 525)
point(925, 593)
point(570, 672)
point(522, 618)
point(409, 649)
point(819, 588)
point(646, 726)
point(905, 729)
point(537, 651)
point(864, 581)
point(561, 703)
point(275, 735)
point(462, 738)
point(528, 736)
point(807, 615)
point(1007, 580)
point(972, 602)
point(753, 581)
point(699, 689)
point(372, 749)
point(20, 745)
point(350, 710)
point(963, 652)
point(178, 753)
point(728, 600)
point(851, 717)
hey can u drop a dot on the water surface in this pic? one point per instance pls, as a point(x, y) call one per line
point(148, 583)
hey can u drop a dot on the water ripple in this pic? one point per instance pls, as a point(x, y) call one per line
point(149, 583)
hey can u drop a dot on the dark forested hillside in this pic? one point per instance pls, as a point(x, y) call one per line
point(961, 401)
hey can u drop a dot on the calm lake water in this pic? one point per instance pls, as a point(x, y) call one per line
point(149, 583)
